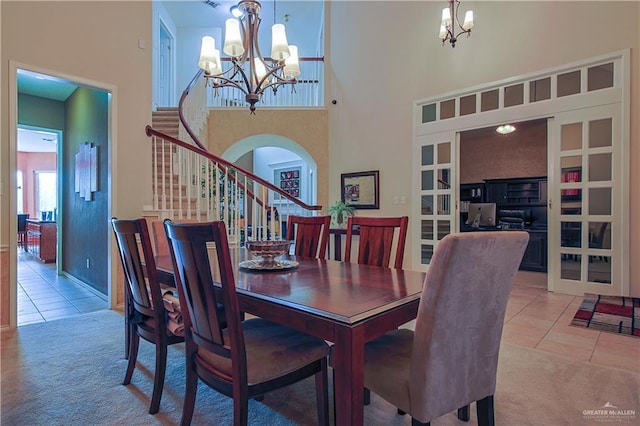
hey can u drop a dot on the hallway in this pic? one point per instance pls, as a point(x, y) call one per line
point(44, 296)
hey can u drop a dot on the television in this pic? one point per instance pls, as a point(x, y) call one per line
point(481, 215)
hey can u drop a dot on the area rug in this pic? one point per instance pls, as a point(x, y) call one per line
point(609, 313)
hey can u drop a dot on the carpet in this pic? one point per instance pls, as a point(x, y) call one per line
point(609, 313)
point(69, 372)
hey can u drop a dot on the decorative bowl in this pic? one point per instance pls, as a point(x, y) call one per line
point(267, 251)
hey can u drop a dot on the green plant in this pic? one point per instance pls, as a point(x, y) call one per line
point(340, 210)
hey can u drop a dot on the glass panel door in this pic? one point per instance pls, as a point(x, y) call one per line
point(436, 181)
point(586, 205)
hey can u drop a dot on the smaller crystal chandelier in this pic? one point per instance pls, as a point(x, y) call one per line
point(450, 23)
point(250, 72)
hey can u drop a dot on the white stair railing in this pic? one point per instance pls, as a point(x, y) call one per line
point(199, 185)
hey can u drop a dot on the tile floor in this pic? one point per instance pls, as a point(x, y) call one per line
point(540, 320)
point(44, 296)
point(535, 318)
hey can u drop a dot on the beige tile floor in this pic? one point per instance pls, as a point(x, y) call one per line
point(540, 320)
point(535, 318)
point(43, 295)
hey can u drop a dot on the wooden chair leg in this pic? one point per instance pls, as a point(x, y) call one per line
point(366, 396)
point(191, 388)
point(485, 411)
point(322, 394)
point(241, 410)
point(158, 379)
point(133, 355)
point(463, 413)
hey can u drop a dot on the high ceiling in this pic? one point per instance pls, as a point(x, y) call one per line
point(303, 19)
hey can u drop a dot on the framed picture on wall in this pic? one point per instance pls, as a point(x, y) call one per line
point(361, 189)
point(288, 179)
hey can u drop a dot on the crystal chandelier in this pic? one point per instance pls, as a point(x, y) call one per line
point(250, 72)
point(450, 23)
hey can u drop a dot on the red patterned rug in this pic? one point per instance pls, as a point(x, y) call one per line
point(609, 313)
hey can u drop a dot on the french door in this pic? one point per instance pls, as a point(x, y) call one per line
point(437, 182)
point(586, 206)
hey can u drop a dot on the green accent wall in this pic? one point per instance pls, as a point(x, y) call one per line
point(85, 223)
point(40, 112)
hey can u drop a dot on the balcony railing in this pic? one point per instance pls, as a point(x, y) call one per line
point(307, 92)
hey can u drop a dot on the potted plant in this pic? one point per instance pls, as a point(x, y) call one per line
point(339, 212)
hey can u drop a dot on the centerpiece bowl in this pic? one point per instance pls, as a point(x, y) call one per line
point(268, 251)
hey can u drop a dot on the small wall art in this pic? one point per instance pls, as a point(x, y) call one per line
point(86, 176)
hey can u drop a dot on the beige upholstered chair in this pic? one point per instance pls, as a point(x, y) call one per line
point(240, 359)
point(451, 359)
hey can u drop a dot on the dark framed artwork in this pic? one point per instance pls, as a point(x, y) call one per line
point(289, 180)
point(361, 189)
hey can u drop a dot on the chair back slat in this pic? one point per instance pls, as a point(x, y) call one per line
point(212, 319)
point(376, 240)
point(310, 235)
point(141, 276)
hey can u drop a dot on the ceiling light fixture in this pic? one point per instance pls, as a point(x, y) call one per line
point(505, 129)
point(251, 73)
point(450, 23)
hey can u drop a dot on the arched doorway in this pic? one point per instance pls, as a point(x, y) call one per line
point(269, 163)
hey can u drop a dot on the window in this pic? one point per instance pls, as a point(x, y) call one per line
point(45, 191)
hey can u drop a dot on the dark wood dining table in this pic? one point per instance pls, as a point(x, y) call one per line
point(344, 303)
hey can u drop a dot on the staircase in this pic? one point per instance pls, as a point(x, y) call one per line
point(189, 182)
point(174, 194)
point(166, 120)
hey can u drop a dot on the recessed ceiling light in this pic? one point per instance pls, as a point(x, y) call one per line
point(505, 129)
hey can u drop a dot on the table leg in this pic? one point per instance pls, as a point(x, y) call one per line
point(337, 247)
point(348, 363)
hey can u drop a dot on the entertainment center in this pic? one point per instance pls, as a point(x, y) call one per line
point(520, 203)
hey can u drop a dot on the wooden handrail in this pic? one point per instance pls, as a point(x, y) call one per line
point(150, 131)
point(183, 120)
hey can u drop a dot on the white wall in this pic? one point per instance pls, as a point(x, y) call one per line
point(268, 159)
point(377, 72)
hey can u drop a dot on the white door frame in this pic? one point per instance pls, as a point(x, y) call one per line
point(13, 142)
point(619, 93)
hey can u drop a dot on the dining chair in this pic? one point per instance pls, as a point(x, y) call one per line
point(310, 235)
point(240, 359)
point(376, 240)
point(160, 243)
point(451, 359)
point(145, 311)
point(22, 230)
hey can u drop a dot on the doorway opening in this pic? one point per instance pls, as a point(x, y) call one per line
point(508, 172)
point(42, 286)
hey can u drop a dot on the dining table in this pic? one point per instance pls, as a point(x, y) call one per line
point(346, 304)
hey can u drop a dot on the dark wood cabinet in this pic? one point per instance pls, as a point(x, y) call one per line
point(528, 197)
point(472, 192)
point(517, 192)
point(535, 257)
point(41, 240)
